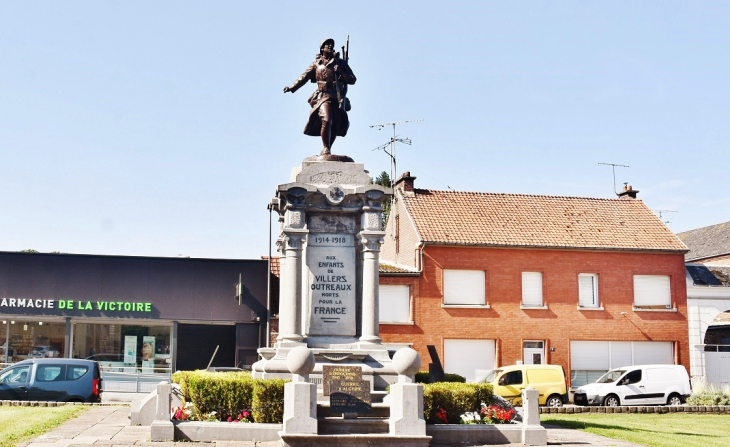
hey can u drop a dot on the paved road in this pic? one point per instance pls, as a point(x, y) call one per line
point(109, 426)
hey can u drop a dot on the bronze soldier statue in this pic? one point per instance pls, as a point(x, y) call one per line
point(328, 117)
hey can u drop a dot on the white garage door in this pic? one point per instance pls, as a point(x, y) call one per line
point(465, 357)
point(590, 359)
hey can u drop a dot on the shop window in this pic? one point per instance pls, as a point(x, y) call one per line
point(124, 348)
point(33, 339)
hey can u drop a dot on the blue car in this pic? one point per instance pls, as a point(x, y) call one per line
point(53, 380)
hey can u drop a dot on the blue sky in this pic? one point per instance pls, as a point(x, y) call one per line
point(160, 128)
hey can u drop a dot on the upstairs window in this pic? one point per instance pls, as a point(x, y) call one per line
point(652, 291)
point(532, 289)
point(587, 290)
point(395, 304)
point(464, 287)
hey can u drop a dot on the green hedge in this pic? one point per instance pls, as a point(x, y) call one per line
point(230, 393)
point(422, 377)
point(455, 398)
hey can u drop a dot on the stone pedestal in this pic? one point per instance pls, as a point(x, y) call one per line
point(532, 432)
point(162, 428)
point(330, 234)
point(406, 397)
point(300, 396)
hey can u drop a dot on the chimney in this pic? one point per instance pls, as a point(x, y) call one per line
point(405, 182)
point(628, 192)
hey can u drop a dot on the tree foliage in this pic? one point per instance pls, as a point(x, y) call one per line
point(384, 180)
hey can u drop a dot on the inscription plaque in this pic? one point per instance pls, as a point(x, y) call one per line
point(347, 391)
point(350, 397)
point(331, 287)
point(342, 373)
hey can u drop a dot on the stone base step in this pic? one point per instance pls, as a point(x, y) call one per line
point(361, 426)
point(375, 396)
point(354, 441)
point(378, 411)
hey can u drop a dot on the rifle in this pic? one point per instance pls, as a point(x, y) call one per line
point(346, 57)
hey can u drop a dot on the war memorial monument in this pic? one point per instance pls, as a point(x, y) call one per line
point(345, 387)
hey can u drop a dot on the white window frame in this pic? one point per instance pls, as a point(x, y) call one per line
point(583, 302)
point(394, 297)
point(653, 293)
point(464, 288)
point(530, 284)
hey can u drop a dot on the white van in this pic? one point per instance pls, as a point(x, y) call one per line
point(637, 385)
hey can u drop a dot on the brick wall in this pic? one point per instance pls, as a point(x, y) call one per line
point(558, 325)
point(400, 222)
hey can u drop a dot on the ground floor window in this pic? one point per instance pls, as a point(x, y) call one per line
point(472, 359)
point(590, 359)
point(124, 347)
point(24, 339)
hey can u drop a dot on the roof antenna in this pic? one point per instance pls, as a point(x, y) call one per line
point(394, 139)
point(613, 169)
point(666, 222)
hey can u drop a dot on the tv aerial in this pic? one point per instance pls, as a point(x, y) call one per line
point(391, 144)
point(613, 169)
point(661, 214)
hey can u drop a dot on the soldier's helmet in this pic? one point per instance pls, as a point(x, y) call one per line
point(325, 42)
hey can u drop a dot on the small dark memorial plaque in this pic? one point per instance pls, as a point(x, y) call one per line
point(348, 392)
point(346, 373)
point(350, 396)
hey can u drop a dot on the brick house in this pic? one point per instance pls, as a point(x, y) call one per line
point(708, 301)
point(493, 279)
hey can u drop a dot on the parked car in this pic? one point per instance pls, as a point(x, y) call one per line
point(39, 352)
point(59, 380)
point(549, 380)
point(637, 385)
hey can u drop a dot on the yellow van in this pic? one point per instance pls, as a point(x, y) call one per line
point(549, 380)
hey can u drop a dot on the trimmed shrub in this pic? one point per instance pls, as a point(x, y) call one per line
point(445, 402)
point(422, 377)
point(230, 393)
point(268, 400)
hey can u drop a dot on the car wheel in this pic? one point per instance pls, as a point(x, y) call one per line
point(611, 401)
point(554, 401)
point(674, 400)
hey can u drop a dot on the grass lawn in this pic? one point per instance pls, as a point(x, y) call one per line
point(18, 424)
point(672, 429)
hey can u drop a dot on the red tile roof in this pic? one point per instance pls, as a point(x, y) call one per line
point(390, 268)
point(491, 219)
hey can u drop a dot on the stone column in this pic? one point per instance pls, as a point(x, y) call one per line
point(371, 241)
point(290, 305)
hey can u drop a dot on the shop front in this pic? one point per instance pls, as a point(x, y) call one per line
point(140, 318)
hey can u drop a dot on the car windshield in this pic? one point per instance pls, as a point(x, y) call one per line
point(491, 375)
point(611, 376)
